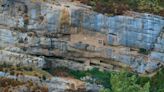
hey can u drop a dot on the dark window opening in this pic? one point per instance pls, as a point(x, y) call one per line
point(94, 64)
point(106, 62)
point(79, 61)
point(112, 34)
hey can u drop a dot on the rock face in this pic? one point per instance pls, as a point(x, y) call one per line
point(66, 85)
point(20, 59)
point(55, 84)
point(83, 38)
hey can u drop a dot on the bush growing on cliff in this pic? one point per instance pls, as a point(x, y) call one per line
point(124, 82)
point(144, 51)
point(149, 5)
point(118, 7)
point(157, 82)
point(102, 78)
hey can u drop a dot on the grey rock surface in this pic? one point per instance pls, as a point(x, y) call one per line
point(52, 28)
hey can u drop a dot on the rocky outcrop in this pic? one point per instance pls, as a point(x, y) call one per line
point(77, 34)
point(54, 84)
point(17, 59)
point(159, 42)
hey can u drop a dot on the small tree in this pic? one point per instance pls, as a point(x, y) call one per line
point(149, 5)
point(124, 82)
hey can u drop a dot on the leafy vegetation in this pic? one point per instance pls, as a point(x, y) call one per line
point(125, 82)
point(99, 77)
point(144, 51)
point(115, 82)
point(157, 82)
point(121, 81)
point(118, 7)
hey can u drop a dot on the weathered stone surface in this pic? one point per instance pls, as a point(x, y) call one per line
point(65, 85)
point(139, 32)
point(73, 31)
point(159, 45)
point(7, 20)
point(11, 58)
point(5, 38)
point(54, 84)
point(157, 56)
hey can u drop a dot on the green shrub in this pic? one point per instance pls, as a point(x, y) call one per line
point(157, 82)
point(122, 81)
point(102, 78)
point(117, 7)
point(144, 51)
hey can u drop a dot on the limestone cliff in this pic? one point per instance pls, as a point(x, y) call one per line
point(83, 38)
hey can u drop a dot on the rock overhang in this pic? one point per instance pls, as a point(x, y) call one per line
point(141, 31)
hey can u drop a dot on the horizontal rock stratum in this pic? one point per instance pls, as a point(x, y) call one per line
point(83, 38)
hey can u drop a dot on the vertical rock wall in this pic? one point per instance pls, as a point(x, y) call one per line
point(54, 30)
